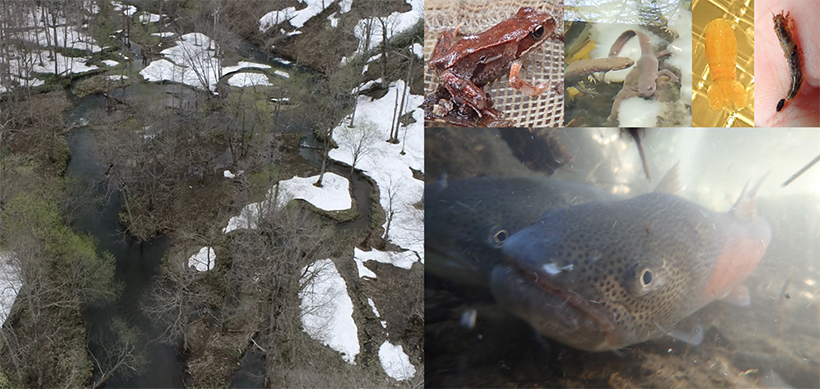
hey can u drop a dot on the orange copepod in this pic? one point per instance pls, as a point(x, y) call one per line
point(721, 54)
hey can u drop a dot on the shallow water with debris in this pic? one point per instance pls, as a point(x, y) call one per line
point(774, 342)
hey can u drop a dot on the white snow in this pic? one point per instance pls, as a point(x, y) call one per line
point(273, 18)
point(281, 73)
point(395, 362)
point(327, 310)
point(248, 79)
point(147, 17)
point(65, 65)
point(334, 195)
point(396, 22)
point(248, 217)
point(298, 18)
point(404, 259)
point(228, 174)
point(110, 62)
point(367, 85)
point(164, 34)
point(10, 284)
point(390, 169)
point(363, 270)
point(418, 50)
point(376, 312)
point(30, 27)
point(192, 62)
point(116, 77)
point(334, 20)
point(243, 65)
point(127, 10)
point(203, 260)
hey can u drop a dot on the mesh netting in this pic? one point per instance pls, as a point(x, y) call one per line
point(543, 64)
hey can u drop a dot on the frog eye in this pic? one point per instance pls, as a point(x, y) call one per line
point(537, 33)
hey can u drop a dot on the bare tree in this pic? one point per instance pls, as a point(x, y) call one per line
point(123, 356)
point(393, 189)
point(359, 140)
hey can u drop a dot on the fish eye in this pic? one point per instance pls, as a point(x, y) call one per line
point(646, 278)
point(538, 32)
point(499, 236)
point(641, 280)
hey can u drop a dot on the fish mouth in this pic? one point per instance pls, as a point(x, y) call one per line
point(554, 311)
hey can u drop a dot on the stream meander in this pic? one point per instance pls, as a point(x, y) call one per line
point(137, 262)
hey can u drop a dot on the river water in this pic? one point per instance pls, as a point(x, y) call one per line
point(137, 262)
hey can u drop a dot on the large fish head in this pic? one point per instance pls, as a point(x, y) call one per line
point(604, 275)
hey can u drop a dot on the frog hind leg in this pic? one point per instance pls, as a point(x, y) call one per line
point(726, 93)
point(464, 92)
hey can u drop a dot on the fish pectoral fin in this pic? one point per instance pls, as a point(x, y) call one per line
point(739, 295)
point(693, 339)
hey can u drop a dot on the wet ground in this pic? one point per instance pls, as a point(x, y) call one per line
point(774, 342)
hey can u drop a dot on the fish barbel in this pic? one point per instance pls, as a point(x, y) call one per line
point(604, 275)
point(468, 220)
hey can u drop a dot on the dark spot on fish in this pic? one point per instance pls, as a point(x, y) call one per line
point(787, 296)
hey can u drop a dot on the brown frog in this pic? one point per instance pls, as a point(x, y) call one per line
point(466, 64)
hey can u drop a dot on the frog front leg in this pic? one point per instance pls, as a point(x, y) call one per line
point(522, 85)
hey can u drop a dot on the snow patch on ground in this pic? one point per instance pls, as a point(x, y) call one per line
point(30, 28)
point(203, 260)
point(298, 18)
point(395, 362)
point(127, 10)
point(65, 65)
point(404, 259)
point(376, 312)
point(281, 73)
point(396, 21)
point(192, 62)
point(418, 50)
point(334, 195)
point(248, 79)
point(110, 62)
point(388, 167)
point(147, 17)
point(163, 34)
point(327, 310)
point(363, 270)
point(10, 284)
